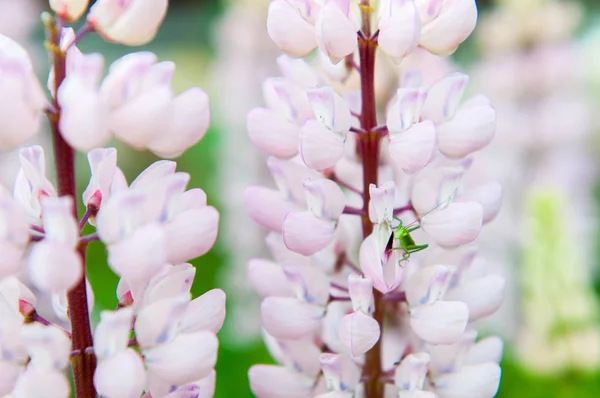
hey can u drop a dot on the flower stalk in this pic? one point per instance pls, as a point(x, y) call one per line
point(84, 364)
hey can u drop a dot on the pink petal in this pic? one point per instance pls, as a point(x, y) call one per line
point(486, 350)
point(444, 97)
point(310, 283)
point(454, 23)
point(191, 199)
point(287, 99)
point(206, 312)
point(330, 109)
point(157, 323)
point(268, 279)
point(456, 225)
point(400, 32)
point(298, 71)
point(305, 234)
point(405, 110)
point(191, 234)
point(442, 322)
point(429, 284)
point(54, 267)
point(9, 374)
point(59, 222)
point(191, 119)
point(289, 318)
point(155, 172)
point(289, 30)
point(103, 166)
point(483, 296)
point(361, 293)
point(112, 333)
point(412, 149)
point(301, 355)
point(10, 261)
point(35, 382)
point(203, 388)
point(282, 254)
point(290, 176)
point(140, 256)
point(411, 373)
point(471, 129)
point(320, 147)
point(385, 273)
point(270, 381)
point(324, 198)
point(175, 281)
point(488, 195)
point(335, 31)
point(358, 333)
point(267, 207)
point(381, 206)
point(340, 372)
point(133, 23)
point(121, 376)
point(69, 10)
point(272, 133)
point(473, 381)
point(435, 188)
point(187, 358)
point(48, 346)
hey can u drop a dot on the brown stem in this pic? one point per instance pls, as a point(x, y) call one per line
point(64, 158)
point(368, 150)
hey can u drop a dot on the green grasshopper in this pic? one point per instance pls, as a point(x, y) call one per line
point(402, 233)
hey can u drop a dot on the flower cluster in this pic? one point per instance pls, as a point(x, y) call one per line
point(349, 308)
point(159, 342)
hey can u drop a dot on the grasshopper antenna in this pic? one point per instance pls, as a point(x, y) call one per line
point(442, 203)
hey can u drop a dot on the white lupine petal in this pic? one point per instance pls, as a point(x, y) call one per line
point(435, 188)
point(54, 267)
point(191, 119)
point(412, 149)
point(132, 23)
point(206, 312)
point(456, 225)
point(289, 318)
point(203, 388)
point(471, 129)
point(9, 374)
point(381, 268)
point(483, 295)
point(289, 30)
point(310, 284)
point(48, 347)
point(336, 32)
point(411, 373)
point(472, 381)
point(453, 23)
point(268, 279)
point(189, 357)
point(121, 376)
point(35, 382)
point(267, 207)
point(112, 333)
point(443, 97)
point(191, 234)
point(488, 195)
point(358, 333)
point(330, 109)
point(298, 71)
point(139, 256)
point(320, 147)
point(442, 322)
point(486, 350)
point(157, 323)
point(177, 280)
point(70, 10)
point(103, 166)
point(340, 372)
point(400, 32)
point(324, 198)
point(154, 172)
point(305, 234)
point(381, 205)
point(429, 284)
point(302, 355)
point(270, 381)
point(405, 110)
point(447, 358)
point(272, 133)
point(361, 293)
point(59, 222)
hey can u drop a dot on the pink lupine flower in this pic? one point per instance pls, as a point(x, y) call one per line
point(290, 24)
point(336, 30)
point(132, 23)
point(21, 96)
point(14, 234)
point(399, 28)
point(69, 10)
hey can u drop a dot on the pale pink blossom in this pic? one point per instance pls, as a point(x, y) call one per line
point(69, 10)
point(290, 24)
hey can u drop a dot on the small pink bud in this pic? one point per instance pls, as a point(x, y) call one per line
point(132, 23)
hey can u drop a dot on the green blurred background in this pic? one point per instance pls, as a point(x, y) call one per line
point(188, 39)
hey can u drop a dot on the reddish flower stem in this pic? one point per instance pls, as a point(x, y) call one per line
point(64, 158)
point(368, 150)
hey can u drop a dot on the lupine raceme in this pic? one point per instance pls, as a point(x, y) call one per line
point(375, 282)
point(158, 342)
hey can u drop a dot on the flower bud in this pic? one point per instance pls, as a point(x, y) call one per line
point(69, 10)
